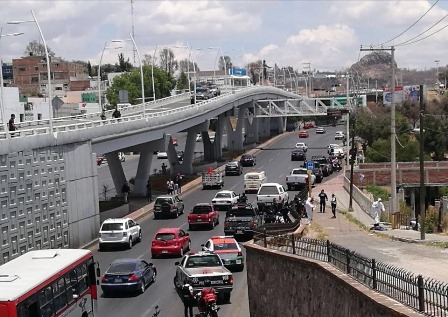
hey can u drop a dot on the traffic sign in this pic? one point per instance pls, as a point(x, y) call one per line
point(310, 166)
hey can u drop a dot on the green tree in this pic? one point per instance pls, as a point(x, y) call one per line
point(167, 61)
point(89, 69)
point(123, 65)
point(34, 48)
point(185, 66)
point(182, 81)
point(435, 137)
point(131, 81)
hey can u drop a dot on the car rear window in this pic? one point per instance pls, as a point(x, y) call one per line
point(268, 190)
point(252, 177)
point(199, 261)
point(160, 201)
point(246, 157)
point(200, 210)
point(112, 226)
point(240, 212)
point(165, 236)
point(222, 195)
point(225, 246)
point(124, 267)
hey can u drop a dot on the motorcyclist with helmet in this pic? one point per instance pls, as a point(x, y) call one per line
point(207, 298)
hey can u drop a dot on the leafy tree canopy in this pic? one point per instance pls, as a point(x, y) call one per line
point(34, 48)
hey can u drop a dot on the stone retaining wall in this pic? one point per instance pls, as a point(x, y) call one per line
point(281, 284)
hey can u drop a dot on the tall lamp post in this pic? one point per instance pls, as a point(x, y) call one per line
point(99, 72)
point(47, 57)
point(141, 68)
point(216, 59)
point(152, 75)
point(437, 67)
point(2, 111)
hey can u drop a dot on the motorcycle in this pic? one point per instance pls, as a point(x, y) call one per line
point(207, 302)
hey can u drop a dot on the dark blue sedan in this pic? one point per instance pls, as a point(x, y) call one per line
point(128, 275)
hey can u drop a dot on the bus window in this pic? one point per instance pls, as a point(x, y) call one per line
point(27, 308)
point(46, 302)
point(59, 294)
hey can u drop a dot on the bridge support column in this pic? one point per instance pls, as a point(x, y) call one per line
point(218, 143)
point(186, 167)
point(251, 130)
point(235, 137)
point(116, 171)
point(264, 127)
point(143, 170)
point(208, 147)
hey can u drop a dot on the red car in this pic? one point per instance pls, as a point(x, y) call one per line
point(308, 125)
point(170, 241)
point(203, 215)
point(304, 134)
point(174, 141)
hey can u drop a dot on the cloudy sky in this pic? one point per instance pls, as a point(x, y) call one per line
point(326, 34)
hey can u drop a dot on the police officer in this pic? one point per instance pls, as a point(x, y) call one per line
point(188, 299)
point(323, 200)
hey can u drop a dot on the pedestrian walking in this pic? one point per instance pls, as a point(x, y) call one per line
point(116, 114)
point(125, 190)
point(188, 299)
point(149, 190)
point(333, 205)
point(377, 209)
point(323, 201)
point(176, 184)
point(164, 168)
point(309, 208)
point(12, 125)
point(179, 183)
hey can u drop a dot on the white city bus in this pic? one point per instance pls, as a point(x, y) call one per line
point(49, 283)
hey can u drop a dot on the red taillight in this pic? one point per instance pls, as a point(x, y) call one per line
point(230, 279)
point(133, 278)
point(104, 279)
point(225, 225)
point(240, 253)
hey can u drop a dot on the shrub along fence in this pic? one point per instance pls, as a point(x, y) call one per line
point(425, 295)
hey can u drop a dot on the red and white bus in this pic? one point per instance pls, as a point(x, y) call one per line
point(49, 283)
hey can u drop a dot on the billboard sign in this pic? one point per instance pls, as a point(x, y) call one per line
point(237, 71)
point(402, 93)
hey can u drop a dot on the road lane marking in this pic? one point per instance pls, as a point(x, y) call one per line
point(271, 160)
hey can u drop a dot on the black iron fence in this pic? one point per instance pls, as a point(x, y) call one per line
point(425, 295)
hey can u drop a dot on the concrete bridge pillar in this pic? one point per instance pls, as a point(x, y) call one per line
point(235, 137)
point(264, 127)
point(218, 143)
point(251, 126)
point(116, 171)
point(208, 147)
point(144, 165)
point(186, 166)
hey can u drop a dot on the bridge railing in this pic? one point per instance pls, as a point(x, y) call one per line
point(42, 127)
point(424, 295)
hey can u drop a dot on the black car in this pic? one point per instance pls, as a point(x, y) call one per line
point(128, 275)
point(233, 168)
point(202, 94)
point(298, 155)
point(325, 164)
point(248, 160)
point(318, 172)
point(242, 219)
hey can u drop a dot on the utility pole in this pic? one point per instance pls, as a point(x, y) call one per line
point(393, 133)
point(422, 169)
point(132, 29)
point(307, 68)
point(347, 137)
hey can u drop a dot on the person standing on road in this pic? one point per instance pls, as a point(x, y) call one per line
point(170, 186)
point(333, 205)
point(176, 184)
point(377, 209)
point(323, 200)
point(309, 208)
point(125, 191)
point(188, 299)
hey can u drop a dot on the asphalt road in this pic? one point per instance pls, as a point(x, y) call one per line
point(275, 160)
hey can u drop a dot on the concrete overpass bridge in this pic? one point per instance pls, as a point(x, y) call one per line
point(48, 185)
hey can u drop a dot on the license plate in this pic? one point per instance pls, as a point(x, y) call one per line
point(238, 261)
point(239, 232)
point(118, 280)
point(227, 261)
point(164, 251)
point(199, 220)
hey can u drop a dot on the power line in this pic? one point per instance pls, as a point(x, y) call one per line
point(412, 25)
point(412, 39)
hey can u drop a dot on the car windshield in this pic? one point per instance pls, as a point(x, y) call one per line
point(205, 260)
point(246, 157)
point(160, 201)
point(232, 163)
point(225, 246)
point(165, 236)
point(112, 226)
point(268, 190)
point(222, 195)
point(200, 210)
point(121, 267)
point(299, 172)
point(299, 151)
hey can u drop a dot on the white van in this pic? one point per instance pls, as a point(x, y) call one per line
point(253, 181)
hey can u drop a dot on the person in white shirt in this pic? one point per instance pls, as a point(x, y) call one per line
point(377, 209)
point(309, 208)
point(333, 205)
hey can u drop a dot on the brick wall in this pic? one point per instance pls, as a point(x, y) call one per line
point(281, 284)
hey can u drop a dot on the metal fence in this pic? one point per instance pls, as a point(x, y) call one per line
point(425, 295)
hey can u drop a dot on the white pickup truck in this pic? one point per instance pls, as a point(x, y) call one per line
point(270, 191)
point(299, 178)
point(212, 180)
point(198, 268)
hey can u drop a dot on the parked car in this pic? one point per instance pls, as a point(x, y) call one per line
point(241, 220)
point(128, 275)
point(162, 155)
point(320, 130)
point(270, 191)
point(203, 214)
point(228, 250)
point(302, 146)
point(318, 172)
point(233, 168)
point(298, 155)
point(298, 178)
point(325, 164)
point(248, 160)
point(304, 134)
point(119, 231)
point(169, 205)
point(170, 241)
point(214, 89)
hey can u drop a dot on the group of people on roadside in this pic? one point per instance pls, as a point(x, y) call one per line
point(174, 185)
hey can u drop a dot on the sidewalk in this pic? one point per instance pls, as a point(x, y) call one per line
point(336, 186)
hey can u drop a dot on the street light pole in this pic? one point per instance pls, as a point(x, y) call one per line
point(50, 105)
point(141, 74)
point(152, 75)
point(99, 73)
point(437, 73)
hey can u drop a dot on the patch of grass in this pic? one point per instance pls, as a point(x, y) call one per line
point(378, 192)
point(316, 231)
point(352, 219)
